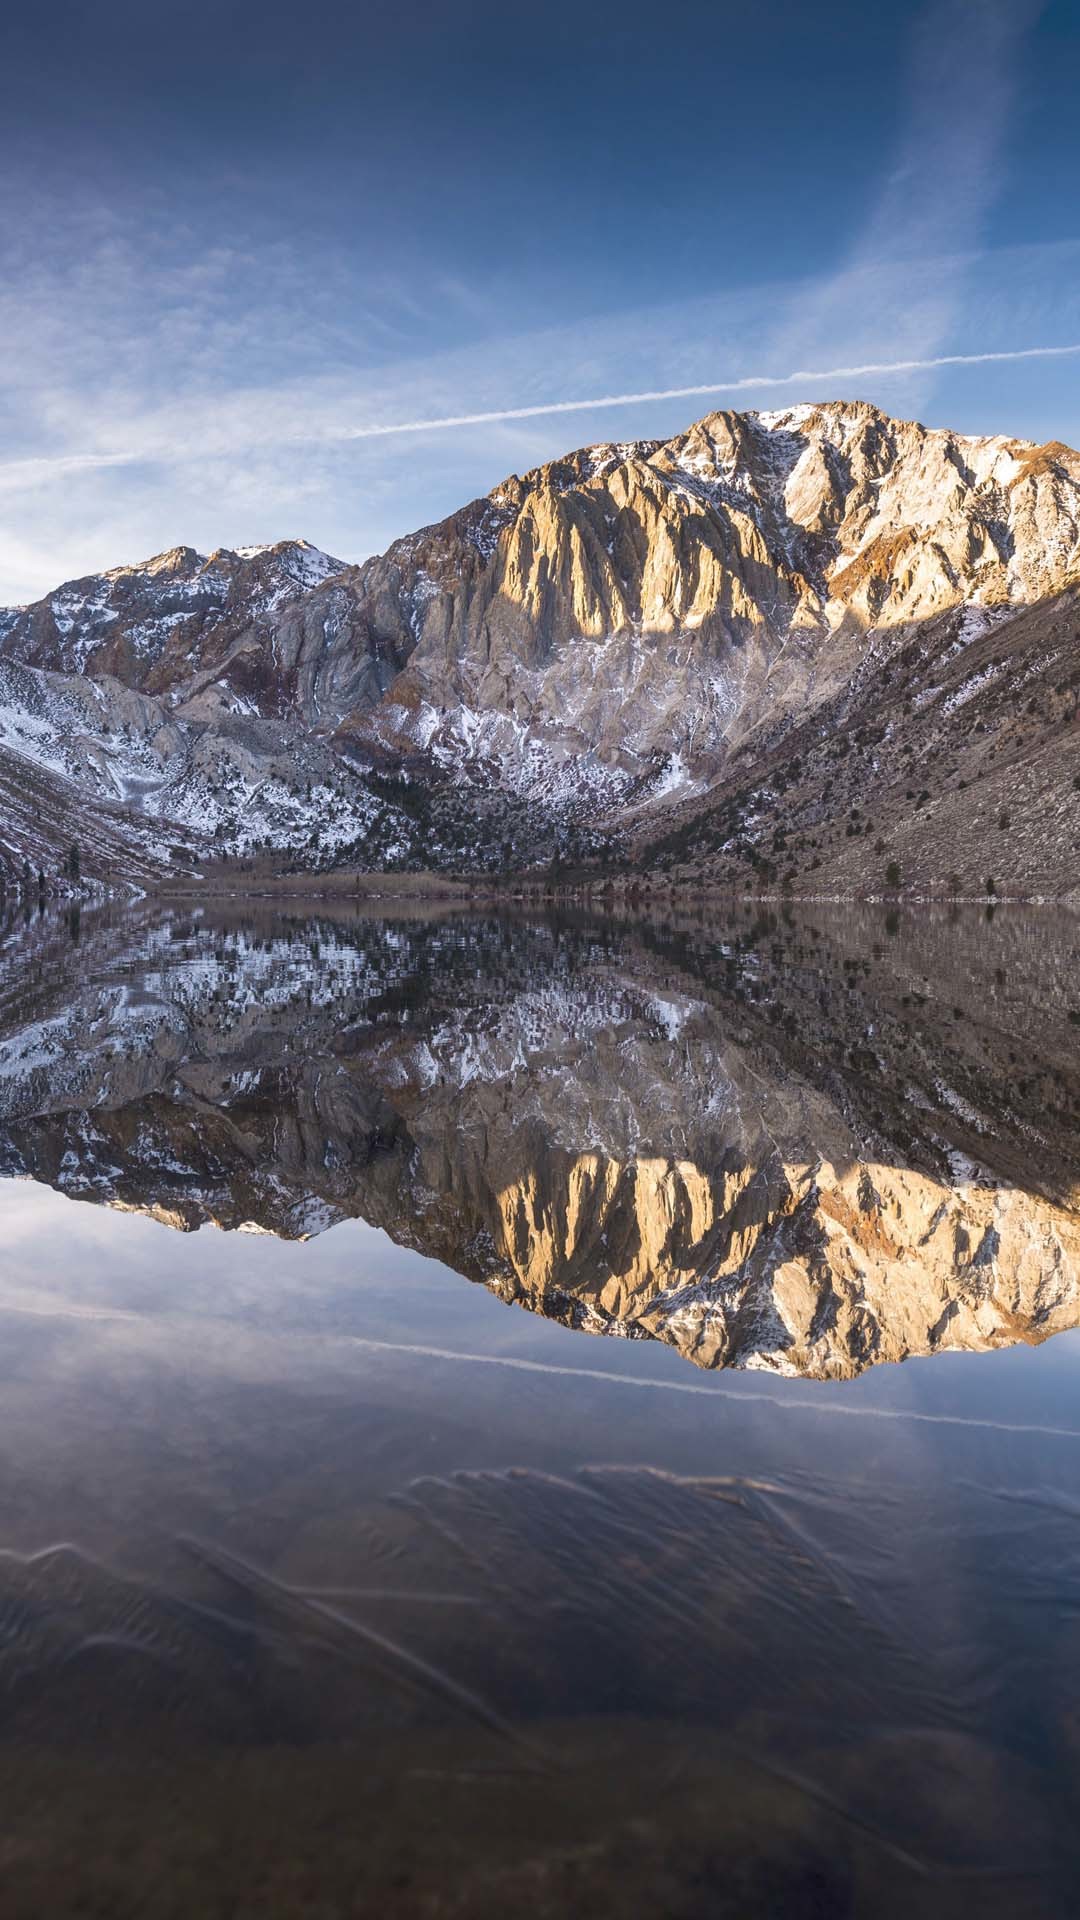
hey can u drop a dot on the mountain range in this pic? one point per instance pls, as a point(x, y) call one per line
point(818, 649)
point(799, 1144)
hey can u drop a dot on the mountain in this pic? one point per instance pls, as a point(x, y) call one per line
point(812, 646)
point(802, 1146)
point(175, 618)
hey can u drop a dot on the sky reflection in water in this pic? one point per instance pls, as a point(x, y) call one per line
point(328, 1579)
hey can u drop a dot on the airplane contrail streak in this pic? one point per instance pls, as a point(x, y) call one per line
point(743, 384)
point(33, 468)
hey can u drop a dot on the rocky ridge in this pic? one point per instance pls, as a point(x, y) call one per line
point(657, 651)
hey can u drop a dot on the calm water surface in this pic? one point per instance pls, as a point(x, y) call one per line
point(620, 1456)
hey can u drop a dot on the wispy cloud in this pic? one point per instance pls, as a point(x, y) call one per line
point(21, 473)
point(160, 383)
point(939, 179)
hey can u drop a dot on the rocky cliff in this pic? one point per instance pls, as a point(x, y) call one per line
point(663, 651)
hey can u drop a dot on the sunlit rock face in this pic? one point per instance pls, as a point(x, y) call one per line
point(832, 1273)
point(805, 1145)
point(750, 535)
point(632, 628)
point(748, 525)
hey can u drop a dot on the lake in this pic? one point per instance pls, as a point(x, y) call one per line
point(551, 1413)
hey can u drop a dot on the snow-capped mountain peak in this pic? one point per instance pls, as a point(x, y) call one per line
point(639, 630)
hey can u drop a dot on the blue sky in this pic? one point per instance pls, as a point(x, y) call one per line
point(233, 237)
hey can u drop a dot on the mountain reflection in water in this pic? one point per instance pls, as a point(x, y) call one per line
point(328, 1587)
point(804, 1143)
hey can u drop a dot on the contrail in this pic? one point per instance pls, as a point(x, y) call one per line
point(642, 1382)
point(34, 467)
point(741, 385)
